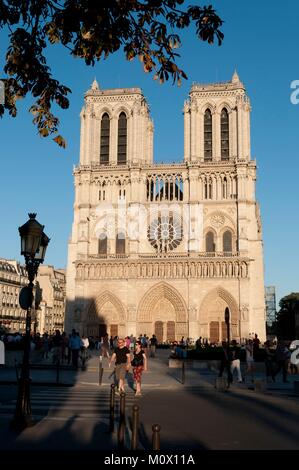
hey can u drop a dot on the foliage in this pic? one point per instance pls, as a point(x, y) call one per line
point(286, 317)
point(92, 30)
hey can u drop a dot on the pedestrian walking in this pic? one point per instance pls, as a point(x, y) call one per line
point(121, 356)
point(139, 364)
point(153, 346)
point(235, 360)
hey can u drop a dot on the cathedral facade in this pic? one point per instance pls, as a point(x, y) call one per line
point(164, 248)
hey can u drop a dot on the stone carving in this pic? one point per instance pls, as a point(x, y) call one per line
point(245, 312)
point(217, 220)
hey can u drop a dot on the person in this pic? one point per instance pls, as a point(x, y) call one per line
point(269, 358)
point(139, 364)
point(198, 343)
point(84, 348)
point(235, 360)
point(282, 356)
point(249, 359)
point(121, 356)
point(256, 346)
point(75, 345)
point(153, 345)
point(223, 358)
point(104, 347)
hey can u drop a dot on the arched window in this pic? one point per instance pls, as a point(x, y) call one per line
point(102, 249)
point(105, 137)
point(224, 135)
point(224, 188)
point(227, 242)
point(120, 247)
point(210, 244)
point(208, 135)
point(122, 139)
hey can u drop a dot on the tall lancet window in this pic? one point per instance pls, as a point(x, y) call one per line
point(224, 135)
point(210, 243)
point(122, 139)
point(208, 136)
point(105, 137)
point(227, 242)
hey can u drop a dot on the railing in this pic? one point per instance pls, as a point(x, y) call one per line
point(170, 255)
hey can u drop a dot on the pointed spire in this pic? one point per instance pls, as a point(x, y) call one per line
point(235, 78)
point(95, 85)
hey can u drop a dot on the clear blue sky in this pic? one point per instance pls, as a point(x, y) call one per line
point(261, 41)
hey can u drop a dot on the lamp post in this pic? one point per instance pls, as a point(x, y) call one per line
point(227, 318)
point(34, 244)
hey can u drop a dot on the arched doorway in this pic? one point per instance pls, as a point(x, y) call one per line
point(106, 314)
point(162, 312)
point(212, 322)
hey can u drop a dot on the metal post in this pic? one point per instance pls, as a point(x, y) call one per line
point(22, 416)
point(101, 370)
point(135, 425)
point(122, 406)
point(122, 421)
point(183, 371)
point(156, 428)
point(227, 318)
point(112, 405)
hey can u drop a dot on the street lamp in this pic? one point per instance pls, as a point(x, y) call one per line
point(34, 244)
point(227, 319)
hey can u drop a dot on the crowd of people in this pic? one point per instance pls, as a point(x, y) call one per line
point(276, 357)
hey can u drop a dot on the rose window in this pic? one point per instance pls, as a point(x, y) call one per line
point(165, 232)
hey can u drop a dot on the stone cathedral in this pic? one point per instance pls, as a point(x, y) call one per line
point(134, 265)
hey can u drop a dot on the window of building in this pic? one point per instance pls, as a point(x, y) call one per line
point(120, 247)
point(102, 247)
point(105, 137)
point(227, 242)
point(208, 135)
point(122, 139)
point(210, 243)
point(224, 135)
point(224, 188)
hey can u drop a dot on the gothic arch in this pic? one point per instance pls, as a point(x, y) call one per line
point(106, 296)
point(103, 111)
point(153, 295)
point(121, 109)
point(211, 106)
point(226, 105)
point(224, 295)
point(226, 218)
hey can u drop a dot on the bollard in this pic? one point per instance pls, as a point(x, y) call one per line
point(112, 405)
point(183, 372)
point(122, 406)
point(122, 421)
point(101, 370)
point(135, 425)
point(156, 428)
point(57, 371)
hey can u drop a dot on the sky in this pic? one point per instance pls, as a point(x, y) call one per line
point(261, 42)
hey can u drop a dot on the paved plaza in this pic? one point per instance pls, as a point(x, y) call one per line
point(74, 413)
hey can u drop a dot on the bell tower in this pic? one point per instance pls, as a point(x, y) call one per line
point(116, 128)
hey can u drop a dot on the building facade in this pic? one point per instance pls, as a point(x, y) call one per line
point(13, 278)
point(165, 248)
point(49, 293)
point(51, 290)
